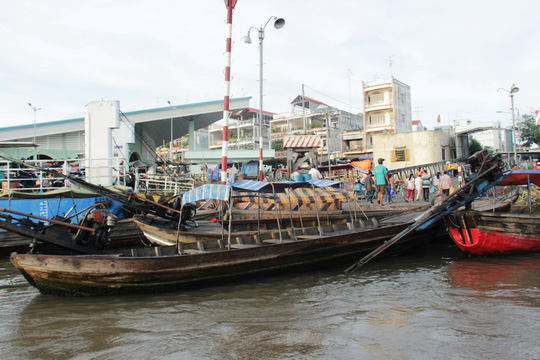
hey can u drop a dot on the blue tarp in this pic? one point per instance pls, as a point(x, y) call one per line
point(250, 168)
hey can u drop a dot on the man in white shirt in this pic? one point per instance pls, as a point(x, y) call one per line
point(315, 173)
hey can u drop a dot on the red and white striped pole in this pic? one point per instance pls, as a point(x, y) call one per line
point(230, 4)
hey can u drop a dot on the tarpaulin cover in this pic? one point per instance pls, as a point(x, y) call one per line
point(362, 165)
point(250, 168)
point(208, 192)
point(251, 185)
point(521, 177)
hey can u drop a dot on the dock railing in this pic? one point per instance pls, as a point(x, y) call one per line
point(17, 177)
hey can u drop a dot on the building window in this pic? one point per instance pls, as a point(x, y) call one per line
point(400, 155)
point(377, 98)
point(376, 119)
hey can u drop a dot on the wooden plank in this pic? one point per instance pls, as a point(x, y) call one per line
point(244, 246)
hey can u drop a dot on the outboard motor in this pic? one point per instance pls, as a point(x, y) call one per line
point(102, 222)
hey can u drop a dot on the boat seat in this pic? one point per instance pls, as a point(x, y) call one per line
point(308, 236)
point(244, 246)
point(193, 251)
point(277, 241)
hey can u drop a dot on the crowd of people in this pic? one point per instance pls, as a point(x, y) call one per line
point(380, 184)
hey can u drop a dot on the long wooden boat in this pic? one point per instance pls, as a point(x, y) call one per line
point(487, 233)
point(164, 232)
point(207, 262)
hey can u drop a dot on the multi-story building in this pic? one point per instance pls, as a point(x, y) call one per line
point(243, 131)
point(313, 117)
point(387, 110)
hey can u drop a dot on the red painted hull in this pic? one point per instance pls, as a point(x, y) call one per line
point(487, 233)
point(486, 243)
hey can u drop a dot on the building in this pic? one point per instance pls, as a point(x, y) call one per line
point(387, 110)
point(413, 148)
point(313, 117)
point(243, 130)
point(488, 134)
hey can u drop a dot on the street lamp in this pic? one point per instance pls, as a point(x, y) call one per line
point(171, 152)
point(278, 24)
point(35, 111)
point(513, 89)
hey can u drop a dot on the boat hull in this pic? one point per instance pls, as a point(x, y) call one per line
point(165, 271)
point(486, 233)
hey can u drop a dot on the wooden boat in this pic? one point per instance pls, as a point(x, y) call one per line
point(206, 262)
point(214, 261)
point(486, 233)
point(165, 232)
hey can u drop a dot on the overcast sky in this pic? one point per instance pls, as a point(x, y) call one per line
point(60, 55)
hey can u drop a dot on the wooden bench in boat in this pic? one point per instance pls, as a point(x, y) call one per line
point(244, 246)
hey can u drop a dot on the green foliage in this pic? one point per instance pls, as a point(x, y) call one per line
point(277, 144)
point(528, 132)
point(474, 145)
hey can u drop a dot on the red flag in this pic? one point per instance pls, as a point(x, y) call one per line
point(439, 119)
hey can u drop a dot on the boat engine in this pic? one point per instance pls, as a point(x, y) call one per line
point(102, 221)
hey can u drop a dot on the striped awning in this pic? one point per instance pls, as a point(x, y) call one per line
point(302, 141)
point(208, 192)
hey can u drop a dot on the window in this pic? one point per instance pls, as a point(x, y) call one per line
point(400, 155)
point(376, 119)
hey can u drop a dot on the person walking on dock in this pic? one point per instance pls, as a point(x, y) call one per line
point(370, 186)
point(418, 187)
point(410, 187)
point(426, 185)
point(446, 183)
point(381, 179)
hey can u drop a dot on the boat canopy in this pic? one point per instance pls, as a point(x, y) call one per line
point(223, 192)
point(208, 192)
point(521, 177)
point(251, 185)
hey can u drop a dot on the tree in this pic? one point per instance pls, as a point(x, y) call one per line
point(528, 131)
point(474, 145)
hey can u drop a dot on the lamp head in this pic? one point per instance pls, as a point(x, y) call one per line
point(514, 89)
point(246, 39)
point(279, 23)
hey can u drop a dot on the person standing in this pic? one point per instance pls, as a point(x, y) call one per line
point(370, 186)
point(437, 182)
point(426, 185)
point(389, 188)
point(410, 187)
point(446, 183)
point(315, 173)
point(381, 179)
point(418, 187)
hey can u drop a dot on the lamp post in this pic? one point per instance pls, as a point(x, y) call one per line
point(171, 152)
point(513, 89)
point(278, 24)
point(35, 117)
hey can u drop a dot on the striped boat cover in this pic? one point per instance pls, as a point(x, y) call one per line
point(208, 192)
point(297, 196)
point(302, 141)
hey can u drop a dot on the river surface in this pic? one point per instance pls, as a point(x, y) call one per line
point(434, 304)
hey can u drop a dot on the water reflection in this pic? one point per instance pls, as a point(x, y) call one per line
point(514, 277)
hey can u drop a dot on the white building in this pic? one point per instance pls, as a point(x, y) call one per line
point(487, 133)
point(387, 109)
